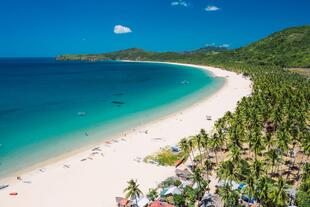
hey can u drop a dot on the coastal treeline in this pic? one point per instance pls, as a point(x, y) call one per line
point(264, 144)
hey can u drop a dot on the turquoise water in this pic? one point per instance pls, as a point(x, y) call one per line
point(48, 108)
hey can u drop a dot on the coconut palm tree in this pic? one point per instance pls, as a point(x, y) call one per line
point(283, 140)
point(198, 139)
point(197, 177)
point(152, 194)
point(305, 144)
point(227, 171)
point(229, 197)
point(257, 168)
point(263, 188)
point(250, 189)
point(235, 154)
point(191, 146)
point(257, 142)
point(216, 144)
point(273, 158)
point(281, 196)
point(205, 142)
point(183, 144)
point(132, 190)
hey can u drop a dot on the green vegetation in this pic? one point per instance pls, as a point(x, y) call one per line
point(288, 48)
point(266, 140)
point(164, 157)
point(132, 190)
point(303, 194)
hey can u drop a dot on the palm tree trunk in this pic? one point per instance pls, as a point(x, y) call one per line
point(192, 152)
point(190, 157)
point(200, 154)
point(302, 161)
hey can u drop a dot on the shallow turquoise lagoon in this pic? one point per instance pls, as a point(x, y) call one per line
point(48, 108)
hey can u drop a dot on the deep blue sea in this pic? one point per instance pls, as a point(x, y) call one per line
point(48, 107)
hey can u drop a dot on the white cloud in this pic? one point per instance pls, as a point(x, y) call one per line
point(180, 3)
point(212, 44)
point(212, 8)
point(217, 45)
point(225, 45)
point(119, 29)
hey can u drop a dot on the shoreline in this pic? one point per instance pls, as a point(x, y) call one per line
point(118, 163)
point(88, 146)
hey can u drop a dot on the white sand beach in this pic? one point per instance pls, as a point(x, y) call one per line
point(96, 176)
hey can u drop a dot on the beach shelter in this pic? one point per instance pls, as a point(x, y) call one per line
point(173, 191)
point(185, 183)
point(121, 202)
point(241, 186)
point(163, 192)
point(233, 184)
point(206, 201)
point(143, 202)
point(182, 173)
point(175, 149)
point(209, 200)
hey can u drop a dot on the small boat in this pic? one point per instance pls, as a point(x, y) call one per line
point(13, 193)
point(118, 102)
point(81, 113)
point(185, 82)
point(3, 186)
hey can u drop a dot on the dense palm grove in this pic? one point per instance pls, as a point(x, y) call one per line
point(265, 143)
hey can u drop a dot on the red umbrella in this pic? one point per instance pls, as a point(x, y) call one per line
point(123, 202)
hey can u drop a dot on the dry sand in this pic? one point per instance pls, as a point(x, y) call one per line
point(96, 176)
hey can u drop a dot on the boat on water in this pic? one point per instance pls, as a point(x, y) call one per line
point(185, 82)
point(81, 113)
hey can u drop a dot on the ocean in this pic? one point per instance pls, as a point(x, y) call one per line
point(49, 107)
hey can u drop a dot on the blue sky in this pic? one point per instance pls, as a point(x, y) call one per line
point(51, 27)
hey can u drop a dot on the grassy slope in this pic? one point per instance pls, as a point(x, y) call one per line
point(288, 48)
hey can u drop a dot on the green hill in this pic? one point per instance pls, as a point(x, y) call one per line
point(287, 48)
